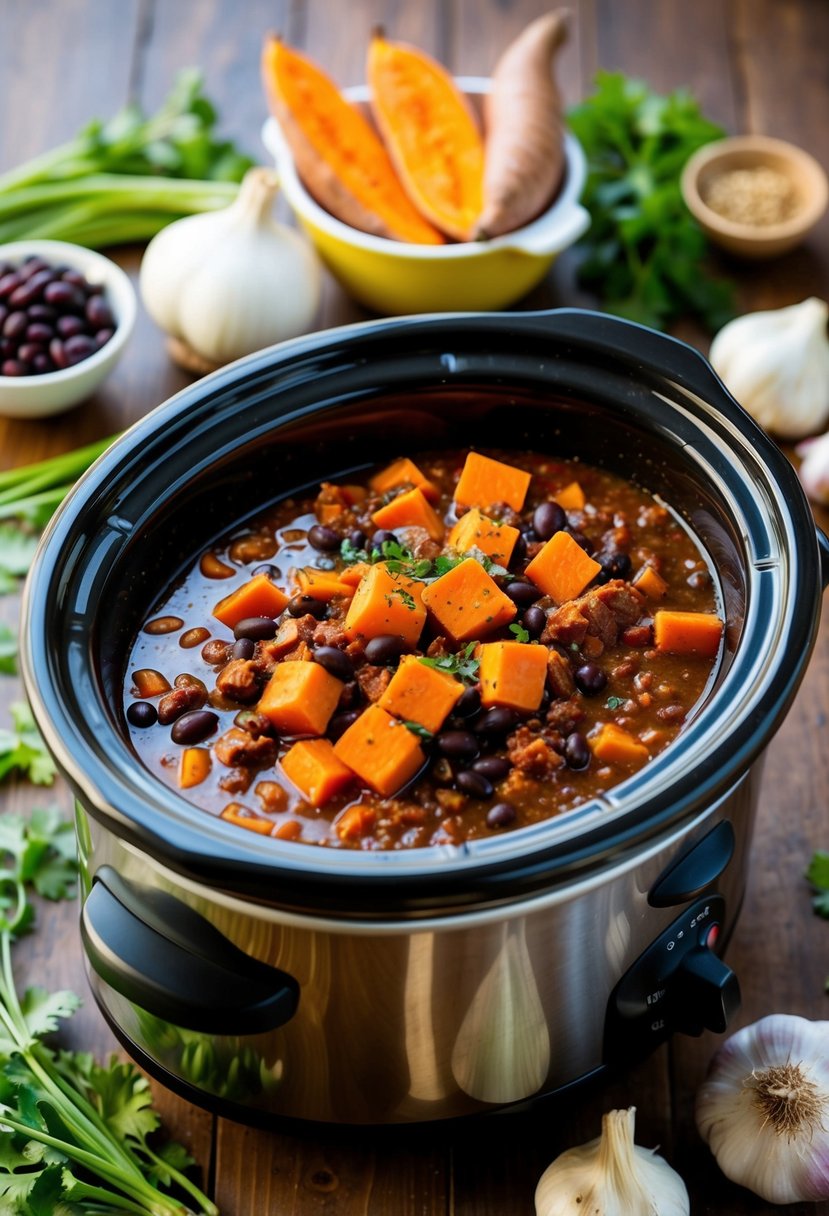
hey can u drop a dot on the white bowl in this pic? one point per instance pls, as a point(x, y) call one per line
point(40, 395)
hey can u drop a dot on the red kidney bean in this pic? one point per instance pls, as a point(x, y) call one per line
point(497, 721)
point(521, 593)
point(577, 751)
point(323, 538)
point(473, 783)
point(179, 701)
point(501, 815)
point(78, 348)
point(64, 295)
point(102, 337)
point(15, 367)
point(15, 325)
point(142, 714)
point(39, 331)
point(494, 768)
point(31, 265)
point(42, 312)
point(257, 628)
point(98, 313)
point(336, 662)
point(548, 518)
point(42, 364)
point(385, 648)
point(69, 325)
point(8, 284)
point(457, 744)
point(590, 678)
point(194, 726)
point(29, 351)
point(534, 620)
point(30, 290)
point(57, 354)
point(215, 652)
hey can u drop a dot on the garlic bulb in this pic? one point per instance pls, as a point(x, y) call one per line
point(776, 364)
point(814, 470)
point(228, 282)
point(611, 1176)
point(764, 1108)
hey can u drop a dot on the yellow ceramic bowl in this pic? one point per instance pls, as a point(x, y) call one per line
point(392, 277)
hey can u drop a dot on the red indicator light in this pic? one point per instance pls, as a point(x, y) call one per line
point(711, 936)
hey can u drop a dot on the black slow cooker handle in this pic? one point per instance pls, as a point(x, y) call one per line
point(163, 956)
point(823, 546)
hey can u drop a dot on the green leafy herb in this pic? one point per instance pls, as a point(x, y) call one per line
point(75, 1132)
point(643, 249)
point(22, 748)
point(462, 665)
point(8, 650)
point(818, 875)
point(614, 702)
point(420, 731)
point(521, 634)
point(124, 179)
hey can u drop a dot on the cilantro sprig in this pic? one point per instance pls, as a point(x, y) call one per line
point(401, 562)
point(23, 749)
point(461, 665)
point(643, 248)
point(75, 1132)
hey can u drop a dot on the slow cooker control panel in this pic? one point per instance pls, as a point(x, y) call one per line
point(679, 983)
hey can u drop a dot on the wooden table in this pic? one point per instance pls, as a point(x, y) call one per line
point(755, 65)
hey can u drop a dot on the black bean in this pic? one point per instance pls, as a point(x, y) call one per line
point(267, 569)
point(194, 726)
point(474, 783)
point(98, 313)
point(306, 605)
point(142, 713)
point(494, 768)
point(340, 723)
point(324, 539)
point(357, 538)
point(614, 565)
point(590, 678)
point(457, 744)
point(258, 628)
point(336, 662)
point(522, 594)
point(385, 648)
point(497, 721)
point(548, 519)
point(529, 534)
point(519, 551)
point(534, 620)
point(244, 648)
point(577, 751)
point(469, 703)
point(583, 541)
point(382, 537)
point(501, 815)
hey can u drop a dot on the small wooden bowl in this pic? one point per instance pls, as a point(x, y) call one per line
point(756, 240)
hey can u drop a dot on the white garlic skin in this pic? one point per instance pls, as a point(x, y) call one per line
point(814, 469)
point(776, 364)
point(233, 281)
point(611, 1176)
point(748, 1149)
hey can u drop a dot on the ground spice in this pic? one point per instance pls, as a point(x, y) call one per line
point(757, 196)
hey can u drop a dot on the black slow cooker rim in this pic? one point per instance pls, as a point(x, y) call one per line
point(374, 884)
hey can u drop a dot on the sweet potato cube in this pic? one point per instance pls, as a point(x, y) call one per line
point(315, 770)
point(613, 745)
point(322, 584)
point(467, 602)
point(259, 596)
point(386, 603)
point(562, 569)
point(300, 697)
point(475, 531)
point(380, 750)
point(404, 472)
point(234, 812)
point(351, 575)
point(512, 674)
point(693, 633)
point(420, 693)
point(650, 583)
point(571, 498)
point(194, 767)
point(355, 821)
point(410, 510)
point(485, 481)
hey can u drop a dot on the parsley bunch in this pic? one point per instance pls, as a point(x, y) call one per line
point(75, 1133)
point(643, 249)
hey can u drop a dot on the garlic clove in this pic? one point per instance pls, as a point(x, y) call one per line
point(763, 1110)
point(776, 364)
point(814, 469)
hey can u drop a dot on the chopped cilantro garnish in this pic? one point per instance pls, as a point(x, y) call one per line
point(419, 730)
point(614, 702)
point(521, 634)
point(461, 665)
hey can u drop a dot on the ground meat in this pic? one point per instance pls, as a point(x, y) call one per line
point(559, 675)
point(236, 747)
point(237, 781)
point(239, 681)
point(566, 624)
point(329, 633)
point(532, 754)
point(623, 600)
point(637, 635)
point(564, 716)
point(255, 724)
point(517, 785)
point(439, 647)
point(272, 796)
point(373, 681)
point(601, 622)
point(418, 541)
point(602, 612)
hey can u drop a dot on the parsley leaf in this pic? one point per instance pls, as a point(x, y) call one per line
point(643, 249)
point(818, 875)
point(22, 748)
point(8, 650)
point(419, 730)
point(461, 665)
point(521, 634)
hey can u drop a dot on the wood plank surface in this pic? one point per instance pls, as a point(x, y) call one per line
point(756, 65)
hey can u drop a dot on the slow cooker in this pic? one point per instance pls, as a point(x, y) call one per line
point(270, 980)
